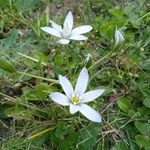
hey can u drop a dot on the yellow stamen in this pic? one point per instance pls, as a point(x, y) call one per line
point(75, 100)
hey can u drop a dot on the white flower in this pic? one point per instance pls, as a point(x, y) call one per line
point(119, 36)
point(76, 98)
point(88, 57)
point(67, 33)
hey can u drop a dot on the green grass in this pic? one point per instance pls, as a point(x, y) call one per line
point(30, 62)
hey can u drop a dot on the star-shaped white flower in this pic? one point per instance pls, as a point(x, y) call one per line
point(119, 36)
point(76, 98)
point(67, 33)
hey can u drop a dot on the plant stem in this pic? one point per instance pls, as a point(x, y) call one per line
point(143, 16)
point(15, 100)
point(97, 62)
point(31, 58)
point(38, 77)
point(42, 132)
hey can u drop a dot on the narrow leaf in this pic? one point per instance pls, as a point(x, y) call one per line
point(5, 65)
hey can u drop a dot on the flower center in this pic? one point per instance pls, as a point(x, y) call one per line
point(75, 100)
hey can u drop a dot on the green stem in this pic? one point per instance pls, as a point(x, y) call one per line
point(97, 62)
point(38, 77)
point(41, 133)
point(31, 58)
point(15, 100)
point(143, 16)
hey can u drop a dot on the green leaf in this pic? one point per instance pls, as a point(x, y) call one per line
point(59, 133)
point(40, 90)
point(18, 112)
point(4, 3)
point(58, 60)
point(3, 107)
point(107, 29)
point(133, 13)
point(146, 65)
point(121, 145)
point(87, 137)
point(5, 65)
point(124, 104)
point(146, 102)
point(143, 127)
point(64, 137)
point(143, 141)
point(26, 5)
point(41, 57)
point(10, 40)
point(144, 112)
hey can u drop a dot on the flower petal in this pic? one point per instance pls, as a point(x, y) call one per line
point(56, 26)
point(78, 37)
point(91, 95)
point(119, 36)
point(51, 31)
point(82, 81)
point(66, 85)
point(90, 113)
point(82, 29)
point(64, 41)
point(73, 108)
point(116, 38)
point(60, 98)
point(68, 23)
